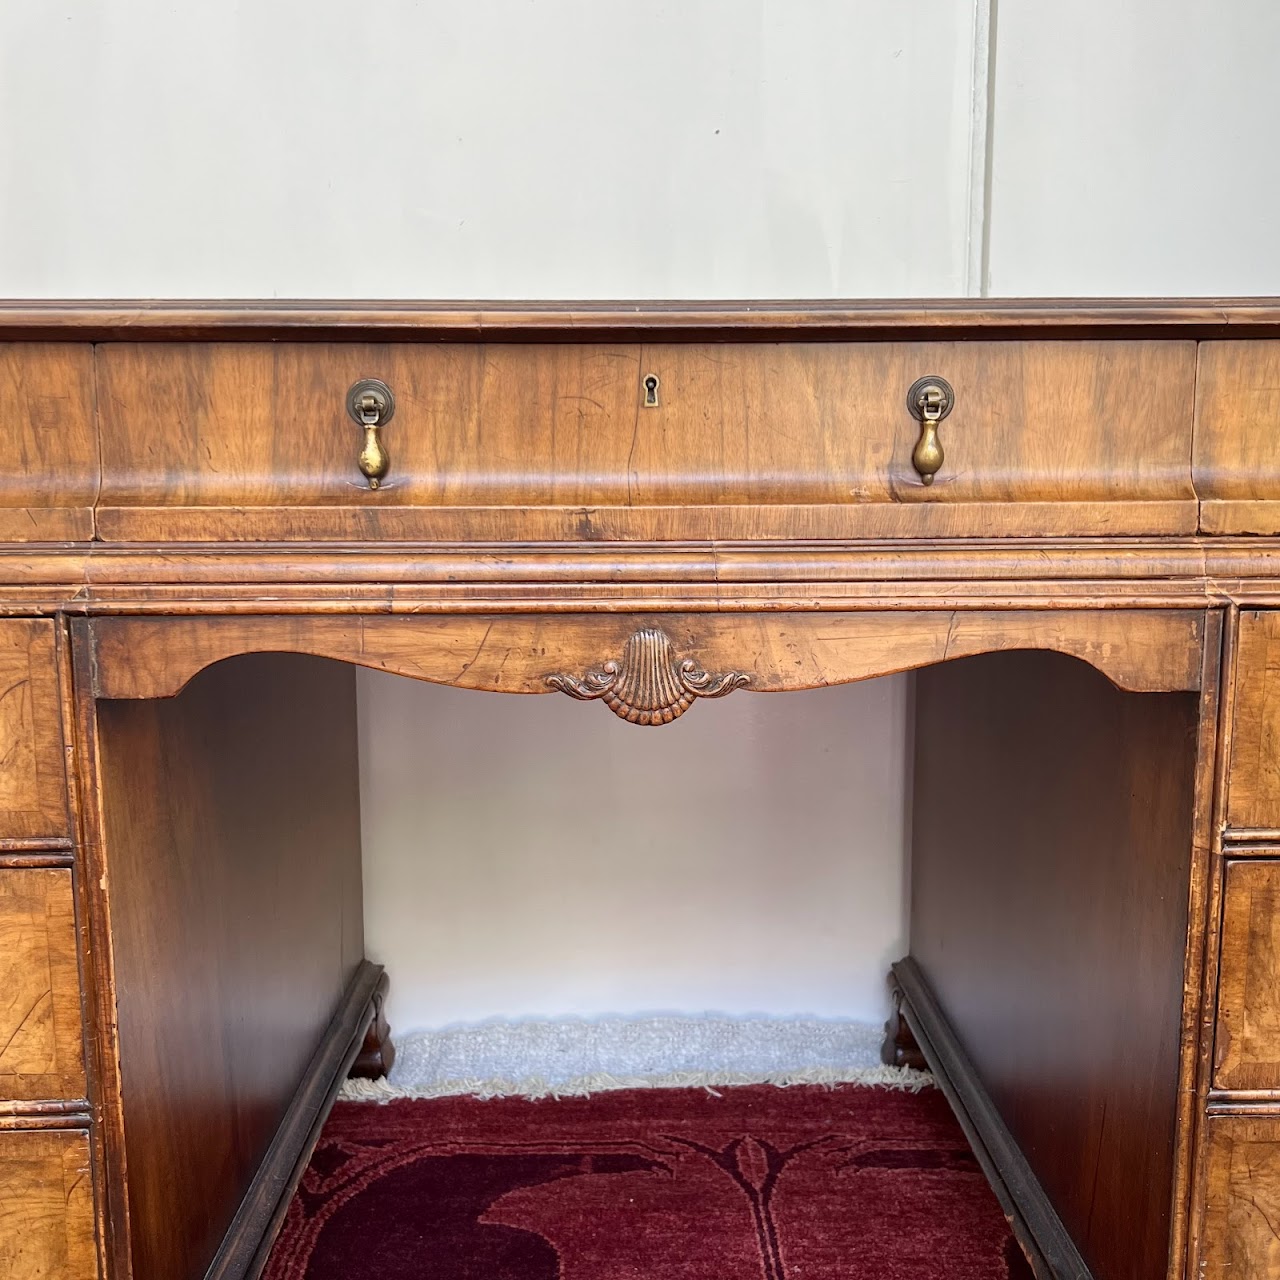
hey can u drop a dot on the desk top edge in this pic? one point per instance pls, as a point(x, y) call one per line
point(515, 321)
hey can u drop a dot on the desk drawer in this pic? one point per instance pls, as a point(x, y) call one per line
point(48, 440)
point(1247, 1042)
point(536, 441)
point(1242, 1200)
point(1237, 445)
point(33, 783)
point(1253, 799)
point(41, 1049)
point(46, 1206)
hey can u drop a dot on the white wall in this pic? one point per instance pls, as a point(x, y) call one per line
point(498, 148)
point(1133, 148)
point(535, 855)
point(580, 148)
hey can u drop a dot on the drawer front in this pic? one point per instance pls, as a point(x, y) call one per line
point(41, 1048)
point(1253, 793)
point(1238, 1239)
point(1247, 1041)
point(1236, 460)
point(48, 439)
point(747, 440)
point(33, 785)
point(46, 1206)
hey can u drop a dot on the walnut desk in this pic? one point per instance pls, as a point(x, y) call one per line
point(1063, 516)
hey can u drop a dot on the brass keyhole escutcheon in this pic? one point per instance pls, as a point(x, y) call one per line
point(371, 406)
point(650, 390)
point(929, 401)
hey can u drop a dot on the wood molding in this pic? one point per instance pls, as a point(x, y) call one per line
point(1078, 563)
point(716, 577)
point(1200, 957)
point(1039, 1230)
point(1139, 650)
point(11, 860)
point(727, 522)
point(328, 321)
point(248, 1241)
point(75, 1112)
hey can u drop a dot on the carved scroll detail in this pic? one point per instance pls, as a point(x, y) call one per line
point(650, 685)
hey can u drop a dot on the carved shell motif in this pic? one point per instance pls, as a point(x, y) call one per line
point(650, 685)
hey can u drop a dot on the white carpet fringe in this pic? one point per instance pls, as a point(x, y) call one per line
point(578, 1057)
point(536, 1088)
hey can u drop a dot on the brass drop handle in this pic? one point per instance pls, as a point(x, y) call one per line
point(929, 401)
point(371, 406)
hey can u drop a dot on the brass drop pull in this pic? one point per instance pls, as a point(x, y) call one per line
point(371, 405)
point(929, 401)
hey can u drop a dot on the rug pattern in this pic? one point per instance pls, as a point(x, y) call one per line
point(757, 1183)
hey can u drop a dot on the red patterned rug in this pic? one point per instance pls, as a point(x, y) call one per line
point(759, 1183)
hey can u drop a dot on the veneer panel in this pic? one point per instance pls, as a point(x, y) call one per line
point(1240, 1240)
point(46, 1206)
point(502, 441)
point(41, 1037)
point(49, 441)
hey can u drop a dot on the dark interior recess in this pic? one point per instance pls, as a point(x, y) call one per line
point(1052, 834)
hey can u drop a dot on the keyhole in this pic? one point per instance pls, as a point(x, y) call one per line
point(651, 391)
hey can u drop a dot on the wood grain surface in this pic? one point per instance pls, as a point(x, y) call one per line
point(187, 489)
point(1247, 1044)
point(1137, 649)
point(533, 442)
point(1236, 461)
point(233, 843)
point(377, 578)
point(806, 417)
point(33, 785)
point(1241, 1233)
point(46, 1206)
point(1052, 843)
point(767, 319)
point(49, 441)
point(1253, 798)
point(41, 1048)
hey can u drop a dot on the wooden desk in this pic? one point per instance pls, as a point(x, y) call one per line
point(648, 507)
